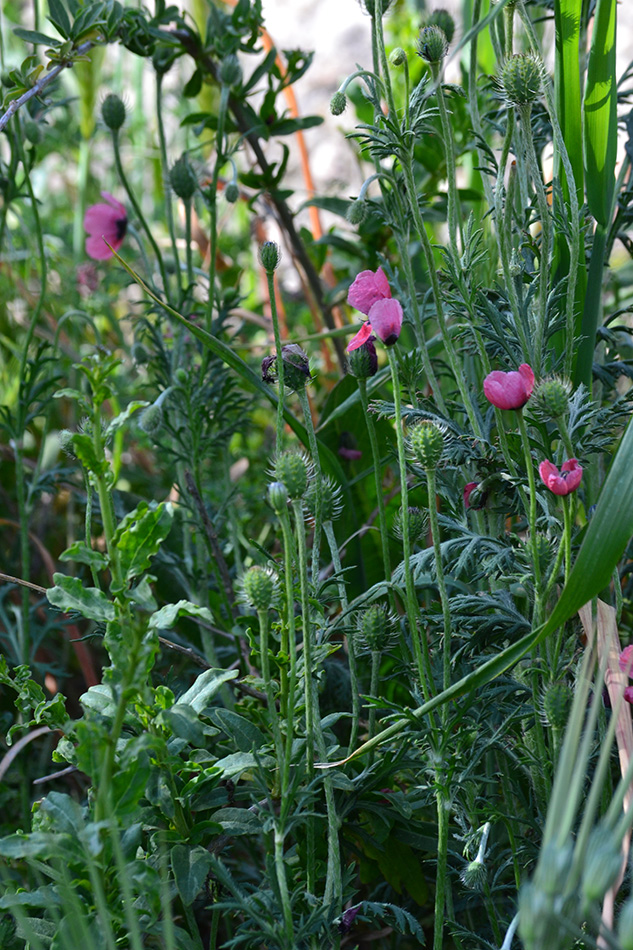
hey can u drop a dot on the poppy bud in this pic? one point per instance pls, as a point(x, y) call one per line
point(258, 585)
point(291, 469)
point(363, 361)
point(338, 103)
point(427, 443)
point(269, 256)
point(113, 112)
point(278, 497)
point(182, 179)
point(431, 44)
point(520, 79)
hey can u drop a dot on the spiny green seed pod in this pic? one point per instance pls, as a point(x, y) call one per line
point(357, 212)
point(602, 864)
point(151, 420)
point(269, 256)
point(398, 57)
point(182, 179)
point(292, 470)
point(330, 496)
point(418, 524)
point(625, 926)
point(444, 20)
point(231, 192)
point(521, 79)
point(431, 44)
point(113, 112)
point(278, 497)
point(552, 397)
point(374, 628)
point(557, 699)
point(258, 585)
point(363, 361)
point(230, 71)
point(427, 443)
point(33, 132)
point(474, 876)
point(338, 103)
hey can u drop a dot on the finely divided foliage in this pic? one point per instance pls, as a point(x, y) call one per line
point(314, 636)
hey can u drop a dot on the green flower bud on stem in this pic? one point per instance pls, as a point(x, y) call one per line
point(398, 57)
point(521, 79)
point(474, 876)
point(182, 179)
point(551, 396)
point(230, 71)
point(427, 443)
point(232, 192)
point(357, 212)
point(444, 20)
point(269, 256)
point(373, 627)
point(278, 497)
point(432, 45)
point(557, 699)
point(292, 470)
point(113, 112)
point(338, 103)
point(258, 585)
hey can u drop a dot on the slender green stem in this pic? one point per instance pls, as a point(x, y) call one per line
point(568, 505)
point(376, 465)
point(453, 215)
point(188, 250)
point(282, 883)
point(169, 212)
point(442, 802)
point(441, 583)
point(263, 618)
point(531, 513)
point(373, 692)
point(318, 508)
point(288, 681)
point(212, 194)
point(279, 363)
point(384, 67)
point(351, 653)
point(420, 645)
point(138, 212)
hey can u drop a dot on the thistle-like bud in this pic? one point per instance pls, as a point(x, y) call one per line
point(230, 71)
point(602, 863)
point(278, 497)
point(551, 396)
point(296, 366)
point(357, 212)
point(258, 585)
point(373, 628)
point(418, 524)
point(398, 57)
point(269, 256)
point(292, 470)
point(625, 926)
point(338, 103)
point(151, 420)
point(427, 443)
point(113, 112)
point(556, 702)
point(330, 496)
point(444, 20)
point(521, 79)
point(363, 361)
point(232, 192)
point(432, 44)
point(182, 179)
point(474, 876)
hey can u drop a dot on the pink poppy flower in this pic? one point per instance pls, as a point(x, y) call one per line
point(367, 289)
point(468, 490)
point(626, 665)
point(105, 222)
point(385, 320)
point(509, 390)
point(563, 482)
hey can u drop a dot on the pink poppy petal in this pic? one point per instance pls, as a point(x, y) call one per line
point(385, 318)
point(527, 374)
point(97, 249)
point(626, 660)
point(469, 487)
point(118, 207)
point(628, 695)
point(361, 337)
point(368, 287)
point(509, 390)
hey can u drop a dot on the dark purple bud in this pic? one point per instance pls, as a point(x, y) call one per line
point(347, 919)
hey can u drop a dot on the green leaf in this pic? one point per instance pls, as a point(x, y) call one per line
point(37, 844)
point(70, 594)
point(140, 535)
point(290, 126)
point(237, 821)
point(128, 787)
point(191, 868)
point(233, 765)
point(244, 733)
point(193, 86)
point(59, 17)
point(82, 554)
point(46, 896)
point(205, 687)
point(33, 36)
point(183, 722)
point(100, 700)
point(63, 812)
point(600, 111)
point(123, 417)
point(166, 617)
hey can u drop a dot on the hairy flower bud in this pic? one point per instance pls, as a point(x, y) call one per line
point(418, 524)
point(151, 420)
point(258, 585)
point(551, 396)
point(398, 57)
point(230, 71)
point(338, 103)
point(232, 192)
point(330, 497)
point(521, 79)
point(296, 366)
point(278, 497)
point(113, 112)
point(363, 361)
point(357, 212)
point(269, 256)
point(292, 469)
point(431, 44)
point(373, 628)
point(427, 443)
point(474, 876)
point(182, 179)
point(557, 699)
